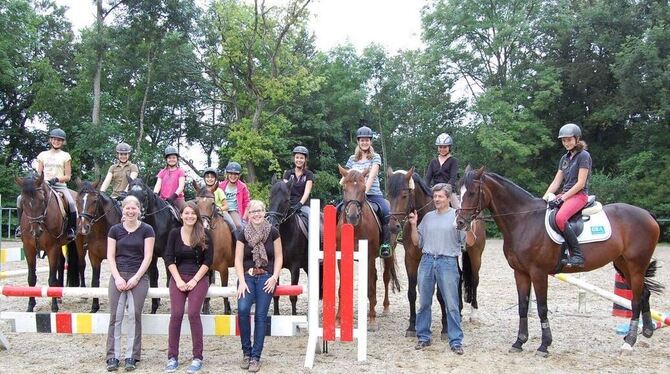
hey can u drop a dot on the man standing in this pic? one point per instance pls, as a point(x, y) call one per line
point(441, 245)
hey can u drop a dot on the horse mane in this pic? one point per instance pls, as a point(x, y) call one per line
point(277, 187)
point(87, 187)
point(28, 188)
point(422, 184)
point(469, 177)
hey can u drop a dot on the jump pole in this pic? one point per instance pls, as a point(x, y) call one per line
point(607, 295)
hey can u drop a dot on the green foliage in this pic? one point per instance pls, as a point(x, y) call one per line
point(260, 191)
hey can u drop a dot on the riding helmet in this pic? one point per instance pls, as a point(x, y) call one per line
point(210, 170)
point(444, 139)
point(364, 132)
point(57, 133)
point(302, 150)
point(568, 130)
point(233, 167)
point(170, 150)
point(123, 148)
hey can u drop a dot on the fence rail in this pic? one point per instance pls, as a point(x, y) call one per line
point(8, 222)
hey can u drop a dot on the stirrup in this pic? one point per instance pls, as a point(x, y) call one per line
point(385, 250)
point(574, 261)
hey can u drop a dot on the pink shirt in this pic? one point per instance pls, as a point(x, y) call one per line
point(242, 196)
point(170, 182)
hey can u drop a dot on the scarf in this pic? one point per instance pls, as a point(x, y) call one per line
point(256, 238)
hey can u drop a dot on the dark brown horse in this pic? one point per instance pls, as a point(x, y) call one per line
point(222, 241)
point(43, 229)
point(97, 214)
point(408, 192)
point(357, 212)
point(533, 255)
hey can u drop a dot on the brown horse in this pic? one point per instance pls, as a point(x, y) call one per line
point(97, 214)
point(408, 192)
point(222, 241)
point(533, 255)
point(43, 227)
point(357, 212)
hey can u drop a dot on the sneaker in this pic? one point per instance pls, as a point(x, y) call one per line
point(385, 250)
point(458, 349)
point(172, 365)
point(131, 364)
point(195, 366)
point(112, 364)
point(421, 345)
point(254, 365)
point(245, 362)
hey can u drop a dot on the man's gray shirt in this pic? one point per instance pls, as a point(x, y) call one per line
point(438, 235)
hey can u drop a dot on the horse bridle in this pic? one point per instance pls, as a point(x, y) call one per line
point(39, 220)
point(208, 220)
point(92, 218)
point(411, 206)
point(357, 204)
point(281, 217)
point(477, 209)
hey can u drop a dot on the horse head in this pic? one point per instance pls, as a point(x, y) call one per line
point(139, 189)
point(204, 199)
point(89, 204)
point(353, 193)
point(401, 196)
point(280, 205)
point(474, 198)
point(34, 202)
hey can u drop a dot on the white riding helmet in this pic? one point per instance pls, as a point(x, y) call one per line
point(444, 139)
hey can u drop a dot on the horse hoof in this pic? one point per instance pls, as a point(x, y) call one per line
point(626, 349)
point(515, 350)
point(385, 312)
point(647, 333)
point(373, 327)
point(410, 334)
point(543, 354)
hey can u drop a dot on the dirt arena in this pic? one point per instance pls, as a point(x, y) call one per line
point(582, 342)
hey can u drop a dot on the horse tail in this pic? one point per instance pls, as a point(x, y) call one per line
point(72, 265)
point(652, 285)
point(394, 273)
point(467, 278)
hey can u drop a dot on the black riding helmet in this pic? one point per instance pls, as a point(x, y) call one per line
point(364, 132)
point(302, 150)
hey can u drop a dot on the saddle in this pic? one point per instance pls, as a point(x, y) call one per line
point(61, 202)
point(590, 223)
point(378, 214)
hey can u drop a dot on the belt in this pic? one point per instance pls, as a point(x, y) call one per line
point(257, 271)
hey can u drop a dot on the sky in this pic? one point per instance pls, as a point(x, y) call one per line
point(395, 24)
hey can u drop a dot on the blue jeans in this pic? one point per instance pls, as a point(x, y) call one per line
point(384, 206)
point(262, 300)
point(442, 270)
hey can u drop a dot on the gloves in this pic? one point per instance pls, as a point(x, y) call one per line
point(122, 195)
point(548, 196)
point(172, 197)
point(553, 204)
point(296, 207)
point(53, 181)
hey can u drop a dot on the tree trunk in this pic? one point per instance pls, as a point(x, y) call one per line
point(140, 135)
point(255, 126)
point(95, 115)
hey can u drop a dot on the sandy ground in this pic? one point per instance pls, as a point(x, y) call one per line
point(582, 342)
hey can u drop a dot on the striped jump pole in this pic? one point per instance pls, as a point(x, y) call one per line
point(12, 254)
point(102, 292)
point(328, 331)
point(608, 295)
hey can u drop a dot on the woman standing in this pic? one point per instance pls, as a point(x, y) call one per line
point(258, 263)
point(237, 193)
point(444, 168)
point(301, 179)
point(574, 171)
point(188, 256)
point(171, 179)
point(130, 248)
point(366, 158)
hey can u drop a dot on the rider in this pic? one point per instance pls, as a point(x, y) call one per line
point(171, 179)
point(237, 193)
point(574, 170)
point(118, 173)
point(444, 168)
point(366, 158)
point(302, 180)
point(211, 178)
point(56, 165)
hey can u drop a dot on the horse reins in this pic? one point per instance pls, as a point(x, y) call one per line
point(39, 220)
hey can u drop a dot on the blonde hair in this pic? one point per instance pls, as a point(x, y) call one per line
point(358, 153)
point(256, 204)
point(131, 199)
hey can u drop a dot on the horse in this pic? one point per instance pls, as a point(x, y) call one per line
point(293, 240)
point(97, 214)
point(533, 255)
point(357, 212)
point(223, 241)
point(159, 215)
point(408, 192)
point(43, 227)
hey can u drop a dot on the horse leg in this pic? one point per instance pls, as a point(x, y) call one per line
point(636, 286)
point(540, 284)
point(96, 264)
point(443, 307)
point(523, 295)
point(475, 266)
point(205, 305)
point(224, 281)
point(56, 266)
point(411, 296)
point(153, 282)
point(81, 258)
point(372, 293)
point(295, 278)
point(645, 308)
point(31, 259)
point(386, 276)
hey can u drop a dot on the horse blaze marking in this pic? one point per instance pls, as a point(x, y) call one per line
point(329, 244)
point(347, 284)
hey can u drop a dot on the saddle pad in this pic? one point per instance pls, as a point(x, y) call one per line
point(596, 229)
point(374, 208)
point(60, 198)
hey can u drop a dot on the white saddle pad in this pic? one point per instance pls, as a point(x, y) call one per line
point(597, 228)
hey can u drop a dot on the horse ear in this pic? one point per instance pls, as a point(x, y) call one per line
point(274, 179)
point(410, 172)
point(480, 172)
point(343, 171)
point(97, 183)
point(77, 181)
point(389, 172)
point(365, 173)
point(39, 180)
point(196, 187)
point(467, 169)
point(129, 179)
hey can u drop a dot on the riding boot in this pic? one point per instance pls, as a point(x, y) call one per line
point(576, 259)
point(71, 226)
point(17, 232)
point(385, 248)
